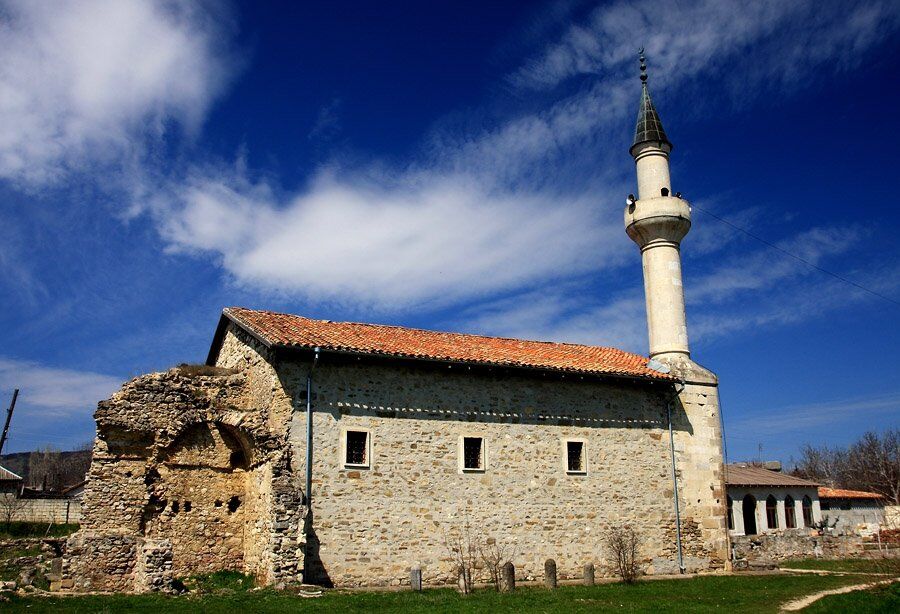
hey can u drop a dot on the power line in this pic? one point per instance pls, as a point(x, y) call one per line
point(796, 257)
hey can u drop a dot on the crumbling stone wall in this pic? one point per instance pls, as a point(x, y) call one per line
point(178, 483)
point(769, 549)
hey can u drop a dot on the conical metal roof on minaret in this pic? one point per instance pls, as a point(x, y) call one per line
point(649, 127)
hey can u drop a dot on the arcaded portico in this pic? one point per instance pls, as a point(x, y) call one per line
point(762, 501)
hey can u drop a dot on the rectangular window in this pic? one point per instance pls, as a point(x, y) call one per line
point(473, 453)
point(575, 457)
point(356, 451)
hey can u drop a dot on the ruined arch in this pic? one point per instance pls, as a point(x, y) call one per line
point(198, 500)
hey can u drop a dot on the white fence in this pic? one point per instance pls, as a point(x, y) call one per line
point(43, 510)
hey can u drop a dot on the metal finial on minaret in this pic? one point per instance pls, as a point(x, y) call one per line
point(643, 66)
point(649, 127)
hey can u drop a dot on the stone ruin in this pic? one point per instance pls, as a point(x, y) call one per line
point(187, 477)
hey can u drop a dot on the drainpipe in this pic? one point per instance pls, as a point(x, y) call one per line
point(669, 402)
point(309, 430)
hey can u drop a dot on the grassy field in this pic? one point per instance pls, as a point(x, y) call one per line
point(744, 593)
point(875, 601)
point(891, 566)
point(16, 530)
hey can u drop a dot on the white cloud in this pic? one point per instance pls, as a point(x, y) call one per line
point(422, 238)
point(47, 392)
point(767, 42)
point(801, 419)
point(89, 81)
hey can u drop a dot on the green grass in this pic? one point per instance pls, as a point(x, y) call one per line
point(855, 565)
point(756, 593)
point(882, 599)
point(36, 529)
point(14, 553)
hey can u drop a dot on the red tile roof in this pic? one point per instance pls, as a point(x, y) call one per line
point(840, 493)
point(290, 331)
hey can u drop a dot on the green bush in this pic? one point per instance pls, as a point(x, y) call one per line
point(219, 581)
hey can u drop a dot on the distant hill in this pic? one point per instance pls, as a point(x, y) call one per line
point(54, 469)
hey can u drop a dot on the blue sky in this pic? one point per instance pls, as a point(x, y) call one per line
point(457, 166)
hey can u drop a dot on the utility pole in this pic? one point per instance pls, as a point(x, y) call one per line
point(9, 413)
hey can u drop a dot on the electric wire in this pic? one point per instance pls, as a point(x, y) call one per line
point(796, 257)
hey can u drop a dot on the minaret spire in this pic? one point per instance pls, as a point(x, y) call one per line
point(649, 128)
point(657, 221)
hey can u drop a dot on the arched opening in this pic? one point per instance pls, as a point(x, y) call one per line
point(790, 513)
point(730, 514)
point(771, 512)
point(664, 191)
point(807, 512)
point(206, 465)
point(748, 507)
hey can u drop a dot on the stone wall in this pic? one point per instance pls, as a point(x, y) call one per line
point(370, 525)
point(767, 550)
point(174, 486)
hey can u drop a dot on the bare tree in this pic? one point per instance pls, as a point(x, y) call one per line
point(10, 506)
point(622, 541)
point(494, 556)
point(462, 544)
point(872, 463)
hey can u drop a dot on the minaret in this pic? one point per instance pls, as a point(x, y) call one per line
point(657, 221)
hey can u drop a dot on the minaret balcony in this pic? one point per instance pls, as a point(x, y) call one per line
point(660, 219)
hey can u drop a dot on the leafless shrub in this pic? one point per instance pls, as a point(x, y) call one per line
point(462, 543)
point(10, 506)
point(494, 556)
point(622, 542)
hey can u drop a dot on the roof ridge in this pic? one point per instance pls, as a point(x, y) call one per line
point(439, 332)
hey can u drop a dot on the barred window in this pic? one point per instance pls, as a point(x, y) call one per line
point(575, 457)
point(357, 449)
point(473, 453)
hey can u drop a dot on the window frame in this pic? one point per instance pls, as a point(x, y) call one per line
point(461, 456)
point(806, 508)
point(584, 456)
point(343, 451)
point(790, 513)
point(772, 512)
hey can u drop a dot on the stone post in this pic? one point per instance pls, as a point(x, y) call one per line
point(550, 573)
point(589, 574)
point(508, 578)
point(415, 578)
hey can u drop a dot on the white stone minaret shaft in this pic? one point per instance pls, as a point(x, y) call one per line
point(657, 222)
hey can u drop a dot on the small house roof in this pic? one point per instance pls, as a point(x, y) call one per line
point(842, 493)
point(283, 331)
point(8, 476)
point(748, 475)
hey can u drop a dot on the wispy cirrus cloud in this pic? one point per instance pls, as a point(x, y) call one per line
point(766, 42)
point(50, 392)
point(93, 81)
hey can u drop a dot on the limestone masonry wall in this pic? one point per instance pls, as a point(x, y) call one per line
point(371, 524)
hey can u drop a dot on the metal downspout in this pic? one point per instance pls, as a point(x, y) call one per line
point(669, 402)
point(309, 431)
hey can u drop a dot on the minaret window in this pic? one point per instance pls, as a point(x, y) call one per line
point(664, 191)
